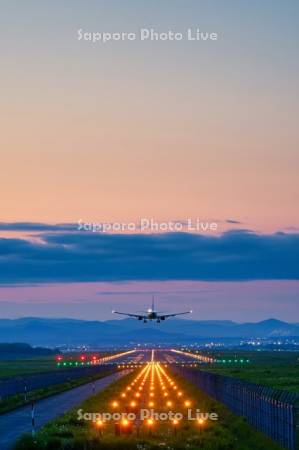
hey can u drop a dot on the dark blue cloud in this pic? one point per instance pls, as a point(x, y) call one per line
point(233, 221)
point(35, 226)
point(81, 256)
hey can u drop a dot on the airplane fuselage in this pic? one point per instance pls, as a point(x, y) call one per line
point(151, 314)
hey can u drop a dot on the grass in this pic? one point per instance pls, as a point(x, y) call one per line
point(278, 370)
point(12, 368)
point(229, 433)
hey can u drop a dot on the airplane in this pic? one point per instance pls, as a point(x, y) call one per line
point(151, 314)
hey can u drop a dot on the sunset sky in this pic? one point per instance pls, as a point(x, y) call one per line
point(165, 130)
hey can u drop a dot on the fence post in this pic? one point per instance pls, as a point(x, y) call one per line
point(33, 419)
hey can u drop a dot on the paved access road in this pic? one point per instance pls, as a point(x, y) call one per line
point(13, 424)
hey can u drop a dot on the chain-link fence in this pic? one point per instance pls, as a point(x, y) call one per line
point(270, 411)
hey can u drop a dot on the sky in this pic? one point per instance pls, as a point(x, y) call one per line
point(168, 130)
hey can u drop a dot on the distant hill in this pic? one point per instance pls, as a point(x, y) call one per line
point(23, 351)
point(55, 332)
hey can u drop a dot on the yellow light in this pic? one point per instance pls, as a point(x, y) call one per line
point(128, 388)
point(133, 403)
point(169, 403)
point(200, 421)
point(180, 394)
point(125, 422)
point(123, 394)
point(151, 394)
point(175, 422)
point(151, 404)
point(150, 422)
point(99, 423)
point(187, 403)
point(114, 404)
point(137, 394)
point(165, 394)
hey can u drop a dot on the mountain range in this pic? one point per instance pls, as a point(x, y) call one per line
point(57, 332)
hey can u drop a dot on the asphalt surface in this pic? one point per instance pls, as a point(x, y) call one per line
point(13, 424)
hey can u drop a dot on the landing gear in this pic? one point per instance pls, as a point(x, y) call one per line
point(144, 321)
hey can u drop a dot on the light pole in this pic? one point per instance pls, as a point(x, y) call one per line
point(150, 424)
point(175, 423)
point(99, 425)
point(200, 424)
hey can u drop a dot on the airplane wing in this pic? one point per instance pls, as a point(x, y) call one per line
point(165, 316)
point(137, 316)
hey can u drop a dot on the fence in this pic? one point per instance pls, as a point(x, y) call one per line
point(270, 411)
point(26, 383)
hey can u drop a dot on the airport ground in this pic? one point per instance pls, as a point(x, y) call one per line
point(17, 366)
point(57, 425)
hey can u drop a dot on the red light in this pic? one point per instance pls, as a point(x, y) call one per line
point(59, 358)
point(82, 357)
